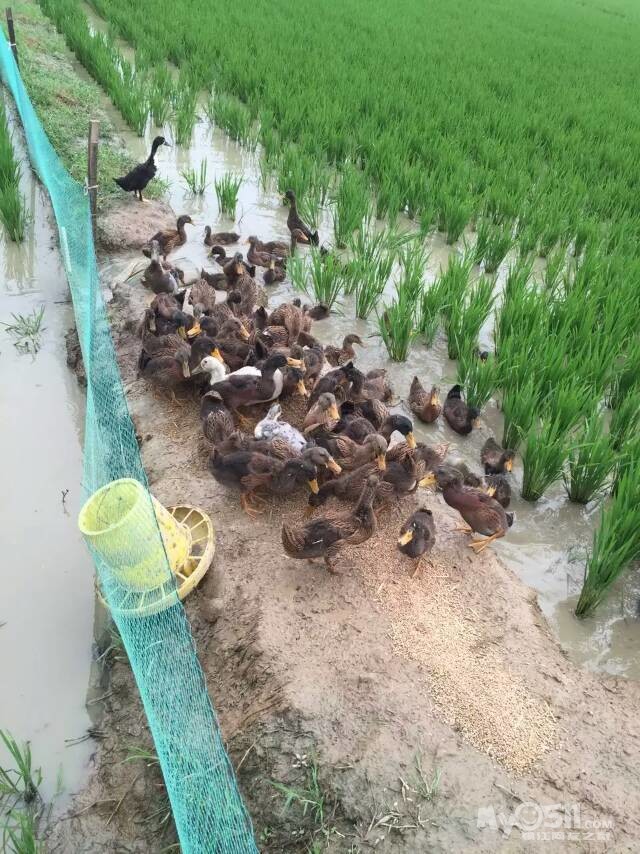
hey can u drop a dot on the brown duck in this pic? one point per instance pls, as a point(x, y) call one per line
point(426, 406)
point(417, 537)
point(482, 514)
point(326, 536)
point(221, 238)
point(340, 355)
point(295, 223)
point(171, 238)
point(459, 416)
point(496, 459)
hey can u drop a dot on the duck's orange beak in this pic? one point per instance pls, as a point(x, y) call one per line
point(302, 389)
point(411, 440)
point(435, 400)
point(217, 355)
point(333, 465)
point(313, 486)
point(381, 459)
point(244, 332)
point(295, 363)
point(333, 413)
point(509, 465)
point(195, 330)
point(490, 490)
point(405, 538)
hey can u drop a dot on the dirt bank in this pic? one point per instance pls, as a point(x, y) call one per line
point(422, 700)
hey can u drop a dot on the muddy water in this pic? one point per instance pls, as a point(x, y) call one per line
point(46, 576)
point(547, 545)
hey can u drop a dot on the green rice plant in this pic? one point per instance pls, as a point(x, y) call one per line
point(231, 115)
point(499, 243)
point(397, 327)
point(19, 783)
point(520, 405)
point(455, 213)
point(196, 179)
point(320, 276)
point(310, 206)
point(12, 203)
point(543, 454)
point(625, 420)
point(413, 262)
point(483, 233)
point(227, 188)
point(350, 205)
point(568, 401)
point(592, 461)
point(160, 88)
point(478, 377)
point(184, 114)
point(553, 270)
point(26, 329)
point(616, 542)
point(467, 316)
point(626, 375)
point(19, 833)
point(455, 281)
point(432, 303)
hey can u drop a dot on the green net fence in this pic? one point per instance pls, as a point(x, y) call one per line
point(208, 810)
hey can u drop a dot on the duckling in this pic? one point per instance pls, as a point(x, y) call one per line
point(250, 470)
point(339, 355)
point(171, 238)
point(295, 223)
point(156, 277)
point(137, 179)
point(426, 406)
point(326, 536)
point(496, 459)
point(223, 238)
point(273, 274)
point(483, 514)
point(417, 537)
point(459, 416)
point(498, 487)
point(324, 413)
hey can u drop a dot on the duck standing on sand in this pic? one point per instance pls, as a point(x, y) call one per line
point(482, 514)
point(137, 179)
point(417, 536)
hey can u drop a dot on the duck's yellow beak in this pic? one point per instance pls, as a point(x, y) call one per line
point(411, 440)
point(244, 332)
point(405, 538)
point(490, 490)
point(333, 413)
point(333, 465)
point(186, 373)
point(428, 480)
point(195, 330)
point(239, 269)
point(313, 486)
point(182, 332)
point(509, 465)
point(302, 389)
point(295, 363)
point(382, 462)
point(435, 400)
point(217, 355)
point(476, 422)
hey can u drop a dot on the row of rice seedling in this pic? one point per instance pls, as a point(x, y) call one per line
point(13, 212)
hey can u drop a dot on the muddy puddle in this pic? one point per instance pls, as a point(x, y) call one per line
point(547, 545)
point(46, 575)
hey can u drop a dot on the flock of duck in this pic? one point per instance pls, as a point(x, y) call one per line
point(216, 334)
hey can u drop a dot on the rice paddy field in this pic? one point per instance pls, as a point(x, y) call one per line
point(514, 133)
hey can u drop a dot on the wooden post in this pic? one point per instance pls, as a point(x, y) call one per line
point(92, 169)
point(12, 35)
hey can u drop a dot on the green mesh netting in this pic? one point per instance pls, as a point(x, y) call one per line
point(208, 810)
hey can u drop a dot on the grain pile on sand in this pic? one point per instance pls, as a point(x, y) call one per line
point(470, 680)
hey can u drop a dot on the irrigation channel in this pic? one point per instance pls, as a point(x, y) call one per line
point(46, 574)
point(548, 543)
